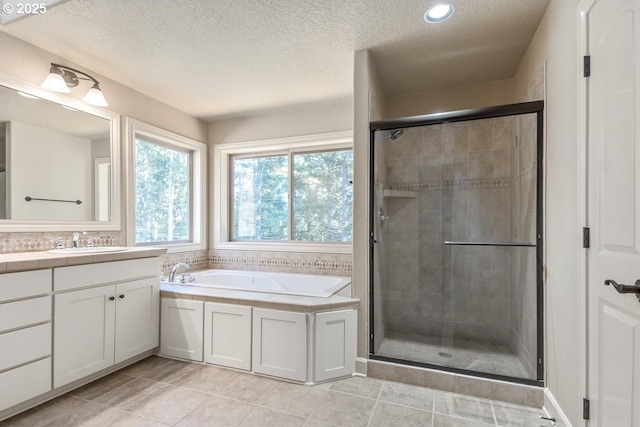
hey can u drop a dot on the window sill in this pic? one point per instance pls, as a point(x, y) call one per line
point(179, 247)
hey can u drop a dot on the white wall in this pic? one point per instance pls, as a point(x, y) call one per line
point(556, 44)
point(485, 94)
point(63, 171)
point(301, 120)
point(368, 106)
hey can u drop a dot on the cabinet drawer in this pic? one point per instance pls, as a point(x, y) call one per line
point(80, 276)
point(25, 382)
point(26, 312)
point(24, 284)
point(24, 345)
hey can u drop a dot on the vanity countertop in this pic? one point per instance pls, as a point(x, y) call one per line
point(21, 261)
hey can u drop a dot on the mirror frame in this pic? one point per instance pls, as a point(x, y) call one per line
point(114, 223)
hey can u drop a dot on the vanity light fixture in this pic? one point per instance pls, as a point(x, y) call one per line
point(439, 12)
point(62, 78)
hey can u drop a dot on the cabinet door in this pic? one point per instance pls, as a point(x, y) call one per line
point(84, 326)
point(280, 344)
point(227, 335)
point(335, 346)
point(137, 317)
point(181, 331)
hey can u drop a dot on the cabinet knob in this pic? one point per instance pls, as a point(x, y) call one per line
point(121, 296)
point(112, 298)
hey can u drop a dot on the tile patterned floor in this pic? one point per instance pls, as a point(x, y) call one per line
point(159, 392)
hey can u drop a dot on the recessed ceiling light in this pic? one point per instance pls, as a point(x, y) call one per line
point(439, 12)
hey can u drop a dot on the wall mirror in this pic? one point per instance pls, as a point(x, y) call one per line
point(59, 162)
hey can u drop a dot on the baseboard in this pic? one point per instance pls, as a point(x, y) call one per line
point(553, 409)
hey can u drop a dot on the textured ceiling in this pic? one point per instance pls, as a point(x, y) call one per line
point(216, 58)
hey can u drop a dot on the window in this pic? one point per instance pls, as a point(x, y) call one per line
point(162, 193)
point(285, 194)
point(165, 189)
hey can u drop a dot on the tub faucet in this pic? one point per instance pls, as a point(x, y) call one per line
point(172, 275)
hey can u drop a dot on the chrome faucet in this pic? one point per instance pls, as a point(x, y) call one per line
point(75, 241)
point(172, 275)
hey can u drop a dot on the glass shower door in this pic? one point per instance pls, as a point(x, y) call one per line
point(455, 263)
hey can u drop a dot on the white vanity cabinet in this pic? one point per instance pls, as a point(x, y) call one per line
point(181, 331)
point(227, 335)
point(104, 314)
point(280, 343)
point(25, 336)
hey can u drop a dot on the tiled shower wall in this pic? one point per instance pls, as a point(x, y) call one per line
point(458, 182)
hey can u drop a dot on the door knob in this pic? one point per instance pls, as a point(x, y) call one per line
point(625, 289)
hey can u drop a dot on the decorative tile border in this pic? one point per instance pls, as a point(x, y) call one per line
point(291, 262)
point(36, 242)
point(448, 183)
point(284, 262)
point(197, 260)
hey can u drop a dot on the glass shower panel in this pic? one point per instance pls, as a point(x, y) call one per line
point(454, 263)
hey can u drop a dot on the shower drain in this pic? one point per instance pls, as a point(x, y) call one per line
point(443, 354)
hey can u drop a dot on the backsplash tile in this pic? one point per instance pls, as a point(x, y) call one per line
point(36, 242)
point(284, 262)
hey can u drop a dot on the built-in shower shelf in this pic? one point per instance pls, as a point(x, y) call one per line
point(399, 193)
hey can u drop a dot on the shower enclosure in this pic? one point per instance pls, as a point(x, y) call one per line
point(456, 241)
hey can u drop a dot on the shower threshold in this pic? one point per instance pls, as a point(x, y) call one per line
point(467, 355)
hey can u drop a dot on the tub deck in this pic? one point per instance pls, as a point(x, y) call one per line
point(258, 299)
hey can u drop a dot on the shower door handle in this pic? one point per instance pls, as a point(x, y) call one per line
point(625, 289)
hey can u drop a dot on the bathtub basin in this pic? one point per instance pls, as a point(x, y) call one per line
point(275, 283)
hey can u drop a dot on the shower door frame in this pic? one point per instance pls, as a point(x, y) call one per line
point(533, 107)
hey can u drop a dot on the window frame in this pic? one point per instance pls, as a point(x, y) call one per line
point(221, 203)
point(197, 178)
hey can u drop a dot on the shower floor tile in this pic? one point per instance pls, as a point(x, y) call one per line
point(462, 354)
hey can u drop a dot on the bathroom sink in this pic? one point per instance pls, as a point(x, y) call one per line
point(94, 250)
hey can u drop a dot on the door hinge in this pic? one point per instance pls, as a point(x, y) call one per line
point(586, 65)
point(586, 237)
point(585, 409)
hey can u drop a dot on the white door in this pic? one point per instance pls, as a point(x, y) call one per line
point(614, 212)
point(137, 317)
